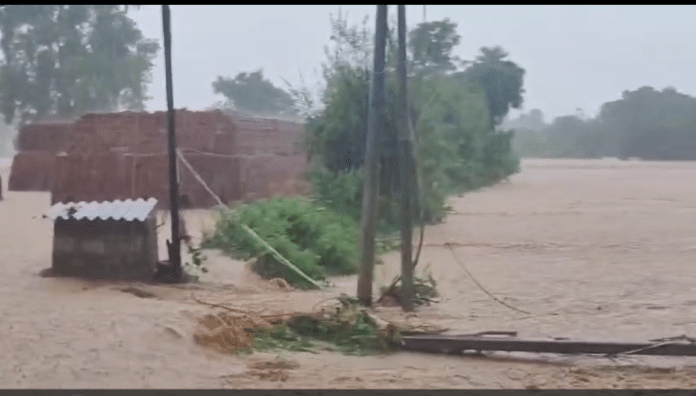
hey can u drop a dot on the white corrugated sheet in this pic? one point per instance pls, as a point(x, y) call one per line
point(128, 210)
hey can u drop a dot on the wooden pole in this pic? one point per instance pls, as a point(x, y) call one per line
point(173, 247)
point(371, 167)
point(451, 344)
point(405, 146)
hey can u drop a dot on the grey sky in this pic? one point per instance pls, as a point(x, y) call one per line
point(575, 56)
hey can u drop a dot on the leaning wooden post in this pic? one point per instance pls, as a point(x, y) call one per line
point(371, 167)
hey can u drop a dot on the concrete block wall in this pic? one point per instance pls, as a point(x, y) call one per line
point(105, 249)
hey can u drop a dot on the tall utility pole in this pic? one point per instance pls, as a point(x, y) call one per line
point(371, 189)
point(173, 247)
point(406, 150)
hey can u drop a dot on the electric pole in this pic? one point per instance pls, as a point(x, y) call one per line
point(405, 145)
point(173, 247)
point(371, 167)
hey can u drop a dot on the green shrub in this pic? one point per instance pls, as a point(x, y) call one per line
point(316, 240)
point(341, 191)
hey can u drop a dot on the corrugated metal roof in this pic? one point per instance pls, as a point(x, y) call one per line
point(128, 210)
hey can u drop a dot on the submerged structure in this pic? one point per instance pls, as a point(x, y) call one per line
point(114, 240)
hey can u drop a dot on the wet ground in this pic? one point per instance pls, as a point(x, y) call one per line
point(592, 249)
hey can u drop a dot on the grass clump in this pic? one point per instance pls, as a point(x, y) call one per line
point(281, 337)
point(424, 290)
point(316, 240)
point(348, 328)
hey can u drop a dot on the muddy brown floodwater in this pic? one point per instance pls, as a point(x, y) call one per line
point(592, 249)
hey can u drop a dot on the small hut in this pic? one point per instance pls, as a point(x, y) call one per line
point(105, 240)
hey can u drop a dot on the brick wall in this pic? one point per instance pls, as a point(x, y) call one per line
point(44, 137)
point(32, 167)
point(110, 176)
point(123, 155)
point(32, 171)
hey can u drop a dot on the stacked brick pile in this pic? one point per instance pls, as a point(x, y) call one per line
point(32, 171)
point(50, 136)
point(38, 145)
point(123, 155)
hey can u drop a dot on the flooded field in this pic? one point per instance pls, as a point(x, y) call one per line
point(591, 249)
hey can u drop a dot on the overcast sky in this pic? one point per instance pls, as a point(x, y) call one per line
point(575, 56)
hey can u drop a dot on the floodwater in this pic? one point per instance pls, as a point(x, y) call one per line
point(590, 249)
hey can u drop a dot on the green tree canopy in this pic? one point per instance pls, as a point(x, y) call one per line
point(252, 92)
point(529, 140)
point(500, 78)
point(457, 147)
point(650, 124)
point(66, 60)
point(533, 121)
point(573, 137)
point(645, 123)
point(431, 45)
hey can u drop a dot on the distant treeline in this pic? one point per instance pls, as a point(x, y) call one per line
point(645, 123)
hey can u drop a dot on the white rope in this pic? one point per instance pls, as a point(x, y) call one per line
point(277, 255)
point(208, 153)
point(199, 178)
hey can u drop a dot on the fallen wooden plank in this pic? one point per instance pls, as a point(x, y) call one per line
point(450, 344)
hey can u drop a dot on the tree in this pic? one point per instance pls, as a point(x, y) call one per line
point(338, 131)
point(431, 45)
point(252, 92)
point(573, 137)
point(650, 124)
point(530, 144)
point(501, 79)
point(529, 140)
point(66, 60)
point(533, 121)
point(645, 123)
point(457, 147)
